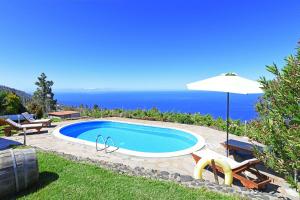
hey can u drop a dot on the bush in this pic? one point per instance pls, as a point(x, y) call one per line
point(279, 119)
point(155, 115)
point(35, 109)
point(10, 104)
point(2, 130)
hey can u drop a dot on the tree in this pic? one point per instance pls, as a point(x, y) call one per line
point(2, 101)
point(10, 103)
point(43, 97)
point(279, 119)
point(35, 108)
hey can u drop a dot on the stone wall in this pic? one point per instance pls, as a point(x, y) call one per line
point(184, 180)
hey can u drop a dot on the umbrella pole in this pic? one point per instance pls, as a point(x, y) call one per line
point(227, 128)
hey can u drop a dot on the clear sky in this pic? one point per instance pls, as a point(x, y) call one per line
point(142, 44)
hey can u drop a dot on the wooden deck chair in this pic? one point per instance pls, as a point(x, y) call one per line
point(239, 146)
point(16, 126)
point(239, 169)
point(31, 120)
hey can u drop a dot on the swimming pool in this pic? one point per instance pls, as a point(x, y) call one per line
point(133, 139)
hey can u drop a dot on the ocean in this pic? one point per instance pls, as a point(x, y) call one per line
point(242, 107)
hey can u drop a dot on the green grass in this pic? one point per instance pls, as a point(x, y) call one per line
point(64, 179)
point(56, 119)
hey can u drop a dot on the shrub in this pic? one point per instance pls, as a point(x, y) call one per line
point(35, 108)
point(155, 115)
point(2, 130)
point(279, 119)
point(2, 102)
point(10, 104)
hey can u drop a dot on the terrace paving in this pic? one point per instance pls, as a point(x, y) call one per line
point(181, 164)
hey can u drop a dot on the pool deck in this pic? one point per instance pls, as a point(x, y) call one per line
point(181, 164)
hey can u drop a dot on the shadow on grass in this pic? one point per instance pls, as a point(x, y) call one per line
point(45, 178)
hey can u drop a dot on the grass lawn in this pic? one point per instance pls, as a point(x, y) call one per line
point(64, 179)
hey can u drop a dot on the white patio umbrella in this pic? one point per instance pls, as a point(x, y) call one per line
point(229, 83)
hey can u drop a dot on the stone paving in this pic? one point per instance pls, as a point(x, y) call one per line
point(182, 164)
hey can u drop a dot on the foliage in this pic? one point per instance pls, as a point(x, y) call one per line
point(10, 103)
point(154, 114)
point(43, 98)
point(2, 102)
point(56, 119)
point(35, 108)
point(23, 95)
point(64, 179)
point(5, 129)
point(279, 118)
point(2, 130)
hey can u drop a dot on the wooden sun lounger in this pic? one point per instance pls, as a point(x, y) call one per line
point(235, 145)
point(238, 169)
point(16, 126)
point(31, 120)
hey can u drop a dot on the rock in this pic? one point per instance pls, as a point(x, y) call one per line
point(185, 178)
point(229, 190)
point(251, 196)
point(264, 197)
point(210, 184)
point(164, 173)
point(197, 183)
point(150, 172)
point(210, 188)
point(174, 176)
point(243, 189)
point(218, 188)
point(194, 183)
point(136, 168)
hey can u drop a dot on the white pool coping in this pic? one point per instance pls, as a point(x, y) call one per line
point(200, 144)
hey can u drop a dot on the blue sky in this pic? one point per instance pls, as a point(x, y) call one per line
point(142, 45)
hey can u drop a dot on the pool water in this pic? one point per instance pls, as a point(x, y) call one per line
point(132, 137)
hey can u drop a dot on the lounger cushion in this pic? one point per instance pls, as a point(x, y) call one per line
point(209, 154)
point(31, 125)
point(41, 120)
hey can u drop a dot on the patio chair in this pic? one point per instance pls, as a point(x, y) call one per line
point(241, 147)
point(239, 169)
point(31, 120)
point(16, 126)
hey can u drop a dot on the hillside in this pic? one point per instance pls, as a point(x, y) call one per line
point(24, 96)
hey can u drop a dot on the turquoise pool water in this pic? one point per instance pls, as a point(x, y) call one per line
point(134, 137)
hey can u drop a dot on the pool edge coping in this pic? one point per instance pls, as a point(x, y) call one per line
point(199, 145)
